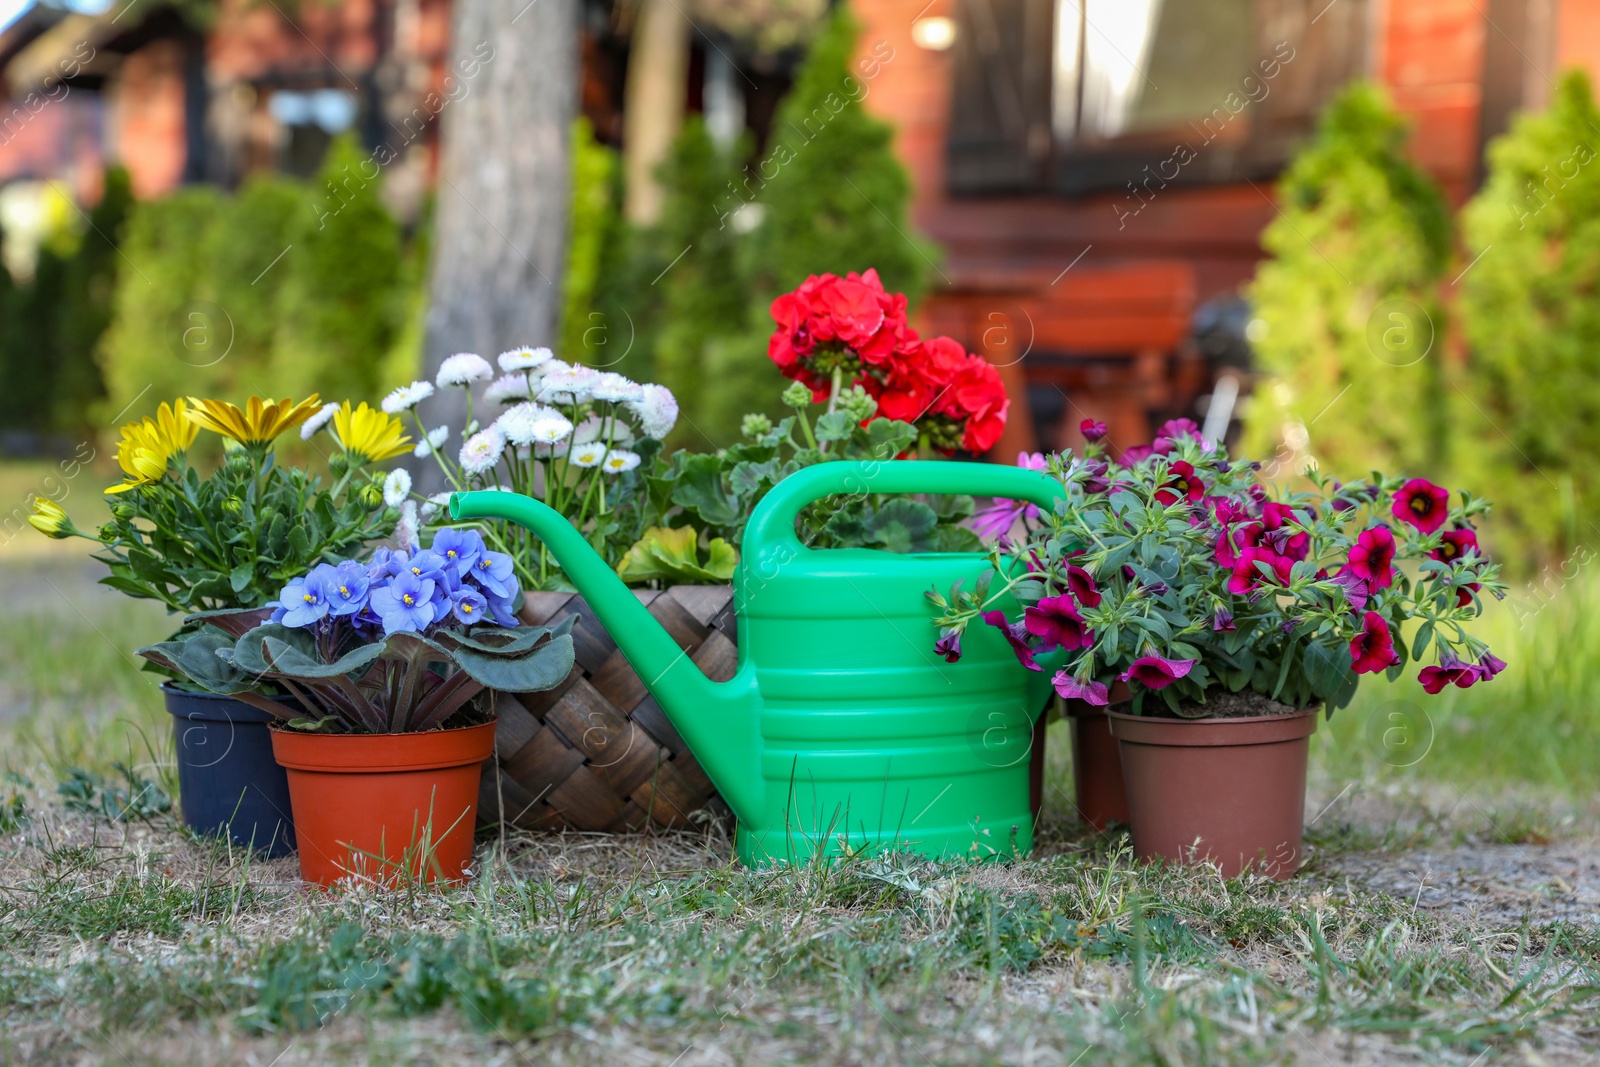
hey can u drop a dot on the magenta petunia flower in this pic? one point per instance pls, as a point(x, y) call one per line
point(1279, 518)
point(1422, 504)
point(949, 645)
point(1490, 665)
point(1372, 650)
point(1356, 592)
point(1456, 543)
point(1090, 692)
point(1372, 557)
point(1081, 584)
point(1233, 541)
point(1156, 672)
point(1450, 669)
point(1015, 635)
point(1247, 576)
point(1093, 430)
point(1185, 485)
point(1136, 455)
point(1056, 622)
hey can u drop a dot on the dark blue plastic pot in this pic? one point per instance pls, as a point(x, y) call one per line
point(228, 782)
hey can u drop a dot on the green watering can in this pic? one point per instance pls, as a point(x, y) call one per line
point(842, 729)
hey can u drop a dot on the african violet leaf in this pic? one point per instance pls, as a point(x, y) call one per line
point(542, 667)
point(194, 656)
point(277, 649)
point(499, 642)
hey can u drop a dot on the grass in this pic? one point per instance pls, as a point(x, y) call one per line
point(124, 940)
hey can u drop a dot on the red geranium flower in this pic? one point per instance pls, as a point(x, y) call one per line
point(1056, 622)
point(1156, 672)
point(1456, 543)
point(1422, 504)
point(1373, 648)
point(1372, 557)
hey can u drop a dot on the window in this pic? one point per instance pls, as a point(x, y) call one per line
point(1076, 95)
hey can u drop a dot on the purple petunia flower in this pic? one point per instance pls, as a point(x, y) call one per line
point(1157, 672)
point(405, 603)
point(1451, 668)
point(1490, 665)
point(1222, 621)
point(1016, 635)
point(949, 645)
point(1090, 692)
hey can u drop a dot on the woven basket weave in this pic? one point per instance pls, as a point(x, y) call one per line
point(596, 752)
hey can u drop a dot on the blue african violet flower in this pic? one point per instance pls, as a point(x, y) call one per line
point(386, 563)
point(304, 600)
point(461, 548)
point(426, 563)
point(346, 587)
point(495, 575)
point(469, 606)
point(405, 603)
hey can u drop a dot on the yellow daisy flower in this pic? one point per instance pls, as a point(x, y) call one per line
point(369, 435)
point(149, 446)
point(258, 423)
point(49, 519)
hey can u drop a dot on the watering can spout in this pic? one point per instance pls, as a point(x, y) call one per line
point(720, 721)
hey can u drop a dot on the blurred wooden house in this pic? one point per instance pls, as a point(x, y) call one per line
point(1097, 172)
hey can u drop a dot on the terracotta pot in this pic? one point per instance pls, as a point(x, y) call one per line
point(384, 806)
point(1096, 767)
point(1228, 791)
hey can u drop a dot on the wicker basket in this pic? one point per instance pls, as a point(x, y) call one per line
point(596, 752)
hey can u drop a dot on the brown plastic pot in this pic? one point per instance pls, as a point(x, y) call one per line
point(1226, 791)
point(385, 807)
point(1098, 791)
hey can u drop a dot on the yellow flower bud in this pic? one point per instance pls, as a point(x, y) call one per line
point(49, 519)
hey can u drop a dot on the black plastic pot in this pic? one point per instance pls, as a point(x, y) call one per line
point(228, 782)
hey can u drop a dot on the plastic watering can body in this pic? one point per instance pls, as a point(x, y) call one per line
point(842, 729)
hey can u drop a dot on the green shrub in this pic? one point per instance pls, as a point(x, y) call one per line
point(48, 378)
point(1532, 325)
point(594, 219)
point(1348, 321)
point(284, 288)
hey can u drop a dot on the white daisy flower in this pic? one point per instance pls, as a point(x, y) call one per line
point(589, 455)
point(312, 426)
point(555, 451)
point(594, 428)
point(550, 428)
point(430, 444)
point(434, 505)
point(462, 369)
point(620, 461)
point(508, 389)
point(482, 451)
point(405, 531)
point(407, 397)
point(571, 386)
point(614, 387)
point(524, 358)
point(517, 424)
point(657, 411)
point(397, 487)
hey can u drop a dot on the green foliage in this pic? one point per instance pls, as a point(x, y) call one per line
point(1348, 320)
point(282, 289)
point(48, 378)
point(595, 194)
point(1530, 319)
point(693, 292)
point(130, 795)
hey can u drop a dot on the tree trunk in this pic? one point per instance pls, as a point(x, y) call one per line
point(652, 114)
point(504, 193)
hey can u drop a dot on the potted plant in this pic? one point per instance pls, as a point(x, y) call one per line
point(388, 664)
point(589, 443)
point(217, 546)
point(1233, 613)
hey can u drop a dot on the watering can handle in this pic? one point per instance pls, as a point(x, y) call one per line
point(771, 526)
